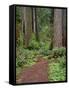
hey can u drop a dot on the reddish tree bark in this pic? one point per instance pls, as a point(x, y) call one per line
point(57, 28)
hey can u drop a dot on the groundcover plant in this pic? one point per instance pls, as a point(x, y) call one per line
point(40, 44)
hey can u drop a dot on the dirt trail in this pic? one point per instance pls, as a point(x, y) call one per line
point(36, 73)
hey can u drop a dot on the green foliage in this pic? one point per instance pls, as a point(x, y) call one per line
point(20, 40)
point(57, 70)
point(46, 33)
point(20, 58)
point(57, 66)
point(57, 52)
point(45, 52)
point(62, 61)
point(33, 44)
point(44, 17)
point(18, 14)
point(26, 57)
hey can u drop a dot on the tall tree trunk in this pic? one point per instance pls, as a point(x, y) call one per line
point(27, 25)
point(23, 24)
point(34, 20)
point(57, 28)
point(35, 24)
point(64, 26)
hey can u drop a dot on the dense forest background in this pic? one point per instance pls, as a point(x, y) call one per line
point(41, 32)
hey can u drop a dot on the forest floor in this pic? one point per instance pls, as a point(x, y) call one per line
point(36, 73)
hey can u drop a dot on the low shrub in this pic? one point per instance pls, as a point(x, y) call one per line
point(57, 70)
point(33, 44)
point(25, 57)
point(57, 52)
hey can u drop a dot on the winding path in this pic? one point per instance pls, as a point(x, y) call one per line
point(36, 73)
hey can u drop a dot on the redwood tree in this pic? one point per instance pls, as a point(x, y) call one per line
point(57, 40)
point(64, 26)
point(27, 25)
point(35, 24)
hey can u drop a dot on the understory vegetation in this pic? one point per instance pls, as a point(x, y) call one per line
point(43, 47)
point(56, 58)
